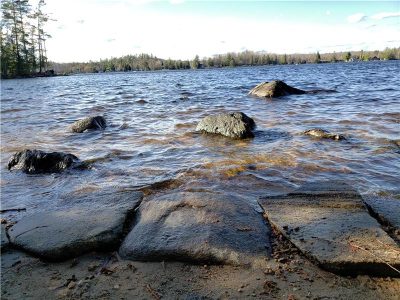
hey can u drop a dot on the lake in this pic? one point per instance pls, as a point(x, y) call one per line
point(151, 142)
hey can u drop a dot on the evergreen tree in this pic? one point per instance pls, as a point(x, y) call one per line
point(195, 63)
point(317, 58)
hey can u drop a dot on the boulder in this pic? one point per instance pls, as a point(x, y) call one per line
point(199, 227)
point(94, 123)
point(63, 234)
point(4, 239)
point(36, 161)
point(234, 125)
point(323, 134)
point(329, 223)
point(274, 89)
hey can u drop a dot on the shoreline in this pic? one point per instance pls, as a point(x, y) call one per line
point(201, 68)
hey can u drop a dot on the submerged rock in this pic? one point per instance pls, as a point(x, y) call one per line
point(235, 125)
point(329, 223)
point(274, 89)
point(320, 133)
point(97, 122)
point(198, 227)
point(63, 234)
point(36, 161)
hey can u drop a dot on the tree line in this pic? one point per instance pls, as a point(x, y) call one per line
point(23, 51)
point(23, 39)
point(146, 62)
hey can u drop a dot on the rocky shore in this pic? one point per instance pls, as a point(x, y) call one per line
point(322, 239)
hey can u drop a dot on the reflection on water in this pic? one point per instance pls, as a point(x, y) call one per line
point(152, 117)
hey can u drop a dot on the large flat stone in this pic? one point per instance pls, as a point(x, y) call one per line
point(329, 223)
point(386, 209)
point(199, 227)
point(62, 234)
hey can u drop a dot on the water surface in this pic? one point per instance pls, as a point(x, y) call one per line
point(154, 140)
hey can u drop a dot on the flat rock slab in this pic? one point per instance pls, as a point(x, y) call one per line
point(62, 234)
point(199, 227)
point(4, 239)
point(386, 209)
point(329, 223)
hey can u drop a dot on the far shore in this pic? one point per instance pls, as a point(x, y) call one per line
point(52, 73)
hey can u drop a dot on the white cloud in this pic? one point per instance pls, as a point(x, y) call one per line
point(384, 15)
point(356, 18)
point(328, 12)
point(176, 1)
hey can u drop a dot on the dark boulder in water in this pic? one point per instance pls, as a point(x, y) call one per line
point(36, 161)
point(235, 125)
point(274, 89)
point(97, 122)
point(323, 134)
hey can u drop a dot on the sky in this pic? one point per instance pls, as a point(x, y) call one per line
point(180, 29)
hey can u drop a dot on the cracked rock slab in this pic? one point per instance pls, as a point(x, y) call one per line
point(199, 227)
point(329, 223)
point(63, 234)
point(386, 209)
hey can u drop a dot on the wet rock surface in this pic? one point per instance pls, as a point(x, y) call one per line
point(274, 89)
point(323, 134)
point(4, 239)
point(62, 234)
point(330, 224)
point(93, 123)
point(386, 210)
point(234, 125)
point(198, 227)
point(37, 161)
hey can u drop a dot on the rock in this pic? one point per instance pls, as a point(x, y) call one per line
point(329, 223)
point(97, 122)
point(396, 142)
point(63, 234)
point(235, 125)
point(198, 227)
point(36, 161)
point(141, 101)
point(323, 134)
point(4, 239)
point(274, 89)
point(385, 209)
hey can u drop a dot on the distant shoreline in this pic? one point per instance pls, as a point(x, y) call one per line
point(51, 73)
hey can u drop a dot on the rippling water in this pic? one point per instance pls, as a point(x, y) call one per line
point(154, 140)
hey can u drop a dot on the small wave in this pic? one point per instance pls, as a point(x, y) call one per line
point(12, 110)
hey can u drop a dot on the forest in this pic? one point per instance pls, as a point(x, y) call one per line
point(24, 54)
point(23, 39)
point(145, 62)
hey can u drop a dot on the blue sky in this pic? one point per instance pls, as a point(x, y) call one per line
point(94, 29)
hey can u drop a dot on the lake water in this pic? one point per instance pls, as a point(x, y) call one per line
point(155, 141)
